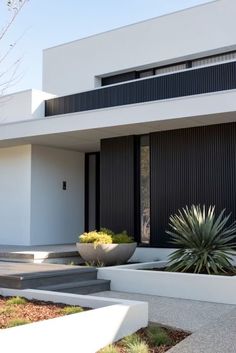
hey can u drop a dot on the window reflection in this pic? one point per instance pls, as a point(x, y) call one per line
point(145, 189)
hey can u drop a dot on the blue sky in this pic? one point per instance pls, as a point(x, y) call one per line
point(45, 23)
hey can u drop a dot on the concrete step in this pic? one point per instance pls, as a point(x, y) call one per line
point(31, 256)
point(39, 279)
point(67, 260)
point(81, 287)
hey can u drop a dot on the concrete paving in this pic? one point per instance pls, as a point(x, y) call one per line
point(188, 315)
point(219, 336)
point(213, 326)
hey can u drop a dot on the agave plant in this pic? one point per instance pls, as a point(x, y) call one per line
point(206, 243)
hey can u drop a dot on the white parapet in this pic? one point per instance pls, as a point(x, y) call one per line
point(22, 106)
point(86, 332)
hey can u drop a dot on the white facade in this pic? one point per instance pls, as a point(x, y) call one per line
point(35, 209)
point(38, 153)
point(22, 106)
point(196, 32)
point(15, 176)
point(57, 215)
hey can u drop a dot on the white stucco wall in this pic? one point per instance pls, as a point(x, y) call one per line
point(15, 172)
point(22, 105)
point(57, 215)
point(198, 31)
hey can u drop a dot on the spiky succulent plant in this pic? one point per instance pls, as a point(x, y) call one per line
point(206, 243)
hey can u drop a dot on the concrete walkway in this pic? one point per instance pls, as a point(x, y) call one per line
point(187, 315)
point(213, 326)
point(219, 336)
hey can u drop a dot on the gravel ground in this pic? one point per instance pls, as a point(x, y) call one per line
point(188, 315)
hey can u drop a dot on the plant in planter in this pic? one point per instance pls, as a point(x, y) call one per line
point(106, 247)
point(206, 243)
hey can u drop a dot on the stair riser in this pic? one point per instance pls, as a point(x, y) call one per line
point(8, 282)
point(87, 290)
point(57, 260)
point(62, 260)
point(45, 281)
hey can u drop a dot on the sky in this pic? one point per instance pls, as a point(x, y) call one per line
point(45, 23)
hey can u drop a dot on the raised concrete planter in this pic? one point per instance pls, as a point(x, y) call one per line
point(134, 278)
point(87, 332)
point(106, 254)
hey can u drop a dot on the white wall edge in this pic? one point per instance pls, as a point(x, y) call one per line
point(207, 288)
point(87, 332)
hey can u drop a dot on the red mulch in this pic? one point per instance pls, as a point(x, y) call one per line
point(32, 311)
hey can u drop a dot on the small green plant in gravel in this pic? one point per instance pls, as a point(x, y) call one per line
point(18, 322)
point(157, 336)
point(16, 301)
point(134, 344)
point(138, 347)
point(7, 310)
point(109, 349)
point(68, 310)
point(97, 263)
point(132, 339)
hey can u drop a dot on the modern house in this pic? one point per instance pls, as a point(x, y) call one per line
point(132, 125)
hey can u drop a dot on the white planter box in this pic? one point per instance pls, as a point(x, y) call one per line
point(131, 278)
point(86, 332)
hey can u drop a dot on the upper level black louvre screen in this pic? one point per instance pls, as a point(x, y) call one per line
point(191, 82)
point(119, 78)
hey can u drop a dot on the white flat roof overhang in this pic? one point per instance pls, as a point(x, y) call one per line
point(83, 130)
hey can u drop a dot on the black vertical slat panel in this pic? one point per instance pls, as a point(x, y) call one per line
point(119, 78)
point(117, 184)
point(179, 84)
point(191, 166)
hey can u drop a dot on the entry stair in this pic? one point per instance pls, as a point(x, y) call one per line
point(78, 280)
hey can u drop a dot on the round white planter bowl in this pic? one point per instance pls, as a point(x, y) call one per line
point(106, 254)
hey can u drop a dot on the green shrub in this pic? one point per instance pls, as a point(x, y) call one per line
point(16, 301)
point(95, 238)
point(107, 231)
point(17, 322)
point(157, 336)
point(138, 347)
point(105, 236)
point(129, 340)
point(68, 310)
point(122, 238)
point(206, 242)
point(109, 349)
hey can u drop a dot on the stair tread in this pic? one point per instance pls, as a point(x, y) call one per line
point(53, 273)
point(92, 282)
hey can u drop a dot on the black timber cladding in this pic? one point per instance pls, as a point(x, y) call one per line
point(117, 184)
point(191, 82)
point(191, 166)
point(188, 166)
